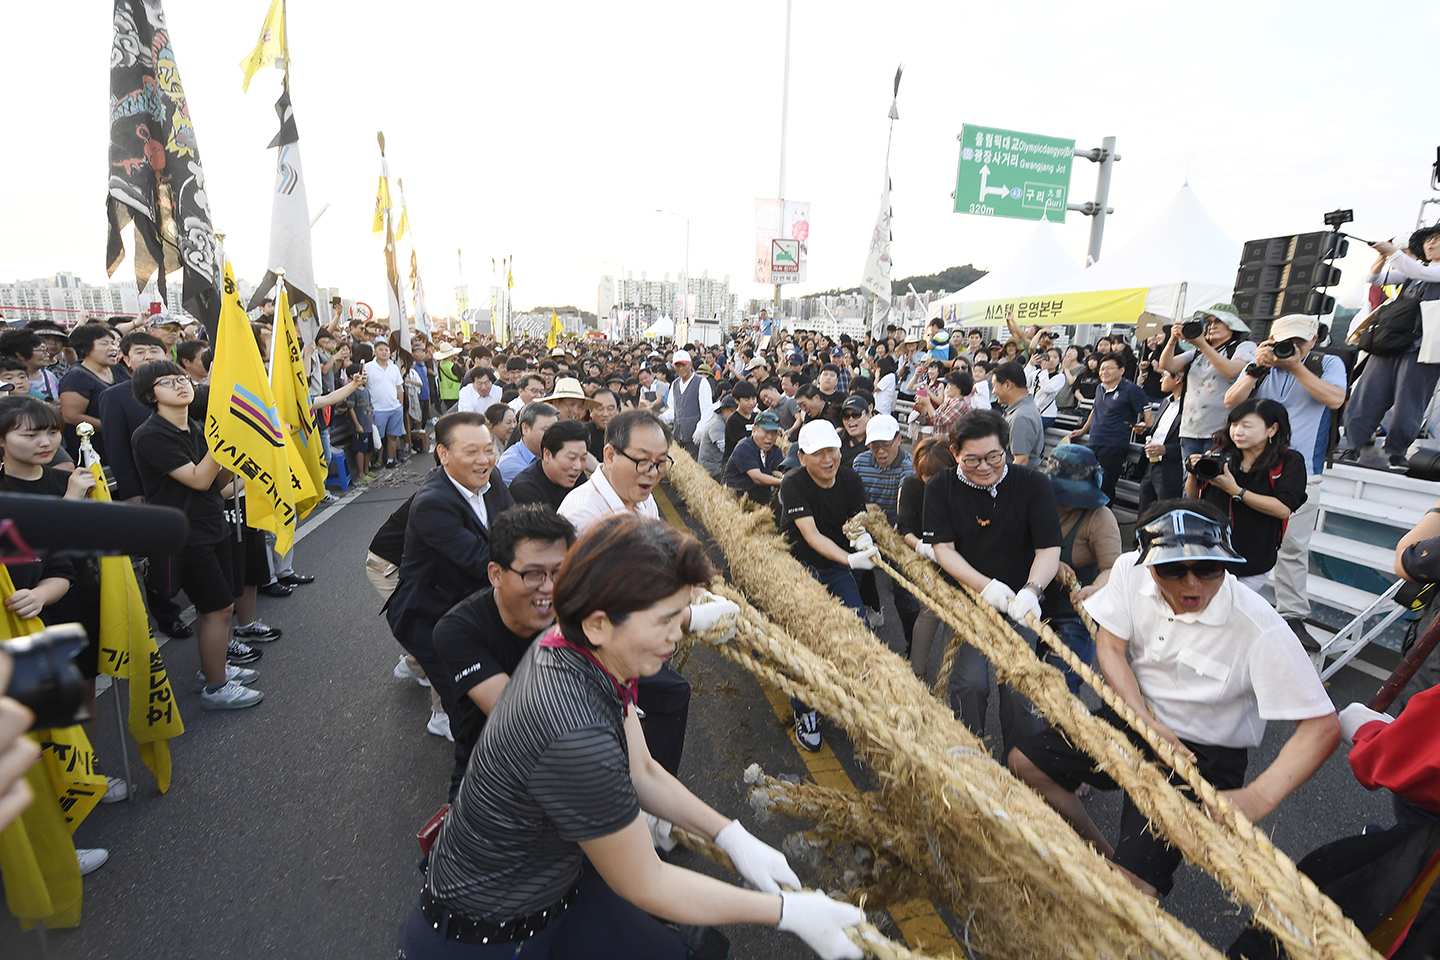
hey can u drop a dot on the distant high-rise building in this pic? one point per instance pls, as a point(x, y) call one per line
point(64, 298)
point(707, 299)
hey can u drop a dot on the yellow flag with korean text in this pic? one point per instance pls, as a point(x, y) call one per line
point(556, 328)
point(270, 47)
point(128, 651)
point(37, 857)
point(291, 389)
point(242, 426)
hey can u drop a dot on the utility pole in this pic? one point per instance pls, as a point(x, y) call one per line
point(1106, 156)
point(784, 127)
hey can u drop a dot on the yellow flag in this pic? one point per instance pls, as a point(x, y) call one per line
point(291, 389)
point(242, 426)
point(510, 279)
point(556, 328)
point(382, 204)
point(403, 225)
point(128, 651)
point(271, 46)
point(37, 856)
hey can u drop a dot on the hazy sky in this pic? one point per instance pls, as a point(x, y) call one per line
point(551, 131)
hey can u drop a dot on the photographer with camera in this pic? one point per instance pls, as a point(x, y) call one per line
point(1253, 475)
point(1394, 379)
point(1309, 386)
point(1221, 354)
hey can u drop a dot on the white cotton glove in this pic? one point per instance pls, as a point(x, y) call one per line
point(926, 550)
point(998, 595)
point(863, 559)
point(1355, 716)
point(821, 923)
point(863, 542)
point(659, 832)
point(705, 616)
point(1024, 602)
point(762, 866)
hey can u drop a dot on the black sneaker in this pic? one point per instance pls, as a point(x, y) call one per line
point(257, 632)
point(276, 589)
point(239, 653)
point(1297, 626)
point(1399, 463)
point(1350, 457)
point(807, 730)
point(177, 629)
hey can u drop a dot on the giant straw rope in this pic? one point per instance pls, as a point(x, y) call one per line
point(1242, 858)
point(1035, 888)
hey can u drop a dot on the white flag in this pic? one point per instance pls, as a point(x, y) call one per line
point(877, 263)
point(290, 217)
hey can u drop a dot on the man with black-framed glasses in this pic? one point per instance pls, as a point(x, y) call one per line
point(1204, 664)
point(996, 529)
point(485, 636)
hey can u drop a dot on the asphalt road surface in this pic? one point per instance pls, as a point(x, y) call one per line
point(289, 829)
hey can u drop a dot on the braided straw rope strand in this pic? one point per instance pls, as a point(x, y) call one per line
point(1251, 869)
point(1035, 888)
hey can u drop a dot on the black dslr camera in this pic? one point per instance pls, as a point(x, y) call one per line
point(45, 677)
point(1193, 329)
point(1209, 466)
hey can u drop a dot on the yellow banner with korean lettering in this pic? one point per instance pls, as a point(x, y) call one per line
point(242, 425)
point(291, 389)
point(128, 651)
point(1099, 306)
point(37, 856)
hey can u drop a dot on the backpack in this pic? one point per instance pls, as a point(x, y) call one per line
point(1391, 330)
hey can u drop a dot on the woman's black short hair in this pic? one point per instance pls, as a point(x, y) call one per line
point(83, 337)
point(142, 384)
point(20, 343)
point(1416, 243)
point(625, 564)
point(962, 380)
point(1274, 414)
point(975, 424)
point(27, 413)
point(496, 412)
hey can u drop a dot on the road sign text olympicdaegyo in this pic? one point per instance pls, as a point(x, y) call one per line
point(1003, 173)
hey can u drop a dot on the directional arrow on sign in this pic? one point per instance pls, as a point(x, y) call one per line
point(986, 191)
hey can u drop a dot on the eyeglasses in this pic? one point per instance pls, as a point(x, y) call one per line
point(994, 458)
point(646, 467)
point(1203, 570)
point(534, 579)
point(171, 383)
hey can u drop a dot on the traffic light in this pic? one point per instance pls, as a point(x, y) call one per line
point(1280, 275)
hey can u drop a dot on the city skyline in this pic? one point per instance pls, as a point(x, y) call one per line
point(562, 159)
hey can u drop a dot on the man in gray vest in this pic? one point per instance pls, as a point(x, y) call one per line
point(688, 403)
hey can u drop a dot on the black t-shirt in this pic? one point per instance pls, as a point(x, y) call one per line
point(737, 428)
point(800, 496)
point(475, 645)
point(998, 535)
point(850, 448)
point(594, 443)
point(160, 447)
point(82, 601)
point(1255, 535)
point(531, 485)
point(389, 541)
point(82, 380)
point(833, 404)
point(910, 506)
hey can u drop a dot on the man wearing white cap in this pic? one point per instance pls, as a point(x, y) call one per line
point(688, 403)
point(882, 467)
point(1309, 387)
point(815, 501)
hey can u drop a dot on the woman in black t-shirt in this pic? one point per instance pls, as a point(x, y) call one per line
point(98, 347)
point(178, 470)
point(1262, 482)
point(545, 851)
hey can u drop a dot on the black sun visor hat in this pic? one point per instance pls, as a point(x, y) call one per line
point(1182, 535)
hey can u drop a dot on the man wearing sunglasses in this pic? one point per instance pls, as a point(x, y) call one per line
point(1205, 664)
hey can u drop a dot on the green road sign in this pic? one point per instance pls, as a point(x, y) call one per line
point(1007, 174)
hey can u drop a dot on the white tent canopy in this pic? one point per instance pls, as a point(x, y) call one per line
point(1040, 264)
point(664, 327)
point(1183, 258)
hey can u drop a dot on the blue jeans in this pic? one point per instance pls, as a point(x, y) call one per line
point(1401, 385)
point(1192, 445)
point(600, 925)
point(840, 581)
point(1077, 638)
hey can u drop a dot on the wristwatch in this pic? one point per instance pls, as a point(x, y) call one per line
point(1238, 497)
point(1038, 588)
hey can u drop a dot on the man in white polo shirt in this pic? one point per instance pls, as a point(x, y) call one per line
point(1205, 664)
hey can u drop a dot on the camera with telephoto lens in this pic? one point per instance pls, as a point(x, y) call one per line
point(44, 677)
point(1284, 349)
point(1193, 329)
point(1209, 466)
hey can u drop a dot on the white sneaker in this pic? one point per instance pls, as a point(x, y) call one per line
point(403, 672)
point(440, 725)
point(115, 790)
point(233, 696)
point(91, 858)
point(239, 674)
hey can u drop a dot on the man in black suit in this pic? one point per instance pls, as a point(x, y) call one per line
point(1164, 477)
point(447, 545)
